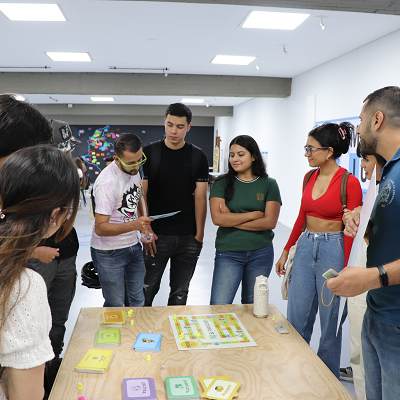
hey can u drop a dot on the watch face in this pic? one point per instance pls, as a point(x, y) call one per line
point(383, 276)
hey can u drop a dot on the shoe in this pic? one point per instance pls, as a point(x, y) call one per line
point(346, 374)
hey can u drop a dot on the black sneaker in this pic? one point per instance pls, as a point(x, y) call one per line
point(346, 374)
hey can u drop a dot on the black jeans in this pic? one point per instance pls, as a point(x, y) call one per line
point(60, 278)
point(183, 251)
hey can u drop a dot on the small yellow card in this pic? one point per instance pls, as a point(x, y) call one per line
point(220, 389)
point(205, 382)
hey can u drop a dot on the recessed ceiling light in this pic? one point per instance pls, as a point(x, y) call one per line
point(32, 12)
point(61, 56)
point(233, 60)
point(274, 20)
point(102, 98)
point(197, 101)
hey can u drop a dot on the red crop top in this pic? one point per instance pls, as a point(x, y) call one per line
point(328, 206)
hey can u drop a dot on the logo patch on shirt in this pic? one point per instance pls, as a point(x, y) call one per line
point(260, 196)
point(387, 193)
point(129, 204)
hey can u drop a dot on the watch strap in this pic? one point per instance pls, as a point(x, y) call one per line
point(383, 276)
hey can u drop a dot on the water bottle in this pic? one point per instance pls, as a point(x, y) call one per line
point(261, 295)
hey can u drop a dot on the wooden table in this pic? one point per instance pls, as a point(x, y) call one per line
point(280, 367)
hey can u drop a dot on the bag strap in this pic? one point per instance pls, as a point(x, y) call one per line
point(343, 190)
point(154, 158)
point(308, 176)
point(196, 159)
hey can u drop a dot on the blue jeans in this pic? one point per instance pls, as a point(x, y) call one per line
point(233, 267)
point(315, 254)
point(121, 273)
point(381, 352)
point(183, 251)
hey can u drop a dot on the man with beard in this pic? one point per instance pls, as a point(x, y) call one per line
point(379, 131)
point(116, 252)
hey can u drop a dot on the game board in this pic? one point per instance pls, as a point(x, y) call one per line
point(209, 331)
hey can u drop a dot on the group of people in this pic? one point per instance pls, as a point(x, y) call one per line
point(133, 239)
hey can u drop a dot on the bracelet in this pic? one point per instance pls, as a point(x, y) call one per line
point(383, 276)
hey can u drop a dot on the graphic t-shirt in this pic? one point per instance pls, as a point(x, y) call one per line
point(248, 196)
point(116, 194)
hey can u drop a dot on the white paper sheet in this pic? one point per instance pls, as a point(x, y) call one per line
point(365, 215)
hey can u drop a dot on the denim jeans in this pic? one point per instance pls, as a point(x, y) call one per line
point(381, 352)
point(183, 252)
point(121, 273)
point(315, 254)
point(60, 279)
point(233, 267)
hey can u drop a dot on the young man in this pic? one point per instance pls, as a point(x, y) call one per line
point(116, 252)
point(21, 125)
point(380, 134)
point(175, 179)
point(56, 261)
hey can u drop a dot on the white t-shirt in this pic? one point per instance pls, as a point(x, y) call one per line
point(25, 341)
point(116, 194)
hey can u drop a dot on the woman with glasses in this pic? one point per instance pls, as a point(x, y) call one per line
point(322, 246)
point(39, 195)
point(245, 204)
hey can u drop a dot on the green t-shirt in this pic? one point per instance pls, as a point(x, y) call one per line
point(248, 196)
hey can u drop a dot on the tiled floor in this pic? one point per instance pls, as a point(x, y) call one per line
point(200, 286)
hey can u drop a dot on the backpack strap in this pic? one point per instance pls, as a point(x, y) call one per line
point(154, 157)
point(343, 190)
point(195, 160)
point(307, 178)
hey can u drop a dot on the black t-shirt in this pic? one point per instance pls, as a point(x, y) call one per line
point(69, 246)
point(172, 189)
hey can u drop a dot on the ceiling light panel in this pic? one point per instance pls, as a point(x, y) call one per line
point(274, 20)
point(61, 56)
point(102, 98)
point(233, 60)
point(32, 12)
point(193, 101)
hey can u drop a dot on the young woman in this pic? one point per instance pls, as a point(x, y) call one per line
point(322, 246)
point(245, 204)
point(39, 195)
point(356, 306)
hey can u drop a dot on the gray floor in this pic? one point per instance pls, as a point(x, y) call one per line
point(200, 286)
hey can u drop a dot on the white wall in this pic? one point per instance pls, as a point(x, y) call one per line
point(280, 126)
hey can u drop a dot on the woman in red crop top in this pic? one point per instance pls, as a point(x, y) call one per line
point(322, 246)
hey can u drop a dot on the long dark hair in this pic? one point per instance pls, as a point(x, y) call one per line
point(258, 165)
point(33, 182)
point(333, 135)
point(379, 159)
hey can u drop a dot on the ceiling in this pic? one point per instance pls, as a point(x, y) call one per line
point(182, 37)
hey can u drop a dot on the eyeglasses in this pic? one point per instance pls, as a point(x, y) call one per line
point(130, 166)
point(309, 150)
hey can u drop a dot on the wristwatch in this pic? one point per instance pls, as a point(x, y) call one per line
point(383, 276)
